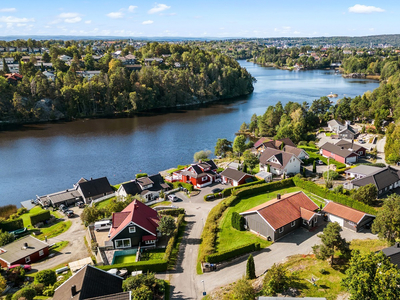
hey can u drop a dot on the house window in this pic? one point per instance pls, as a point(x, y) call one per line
point(150, 242)
point(41, 253)
point(123, 243)
point(204, 178)
point(132, 229)
point(293, 223)
point(305, 222)
point(281, 230)
point(28, 259)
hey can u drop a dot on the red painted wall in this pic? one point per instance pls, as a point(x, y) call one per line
point(331, 155)
point(34, 258)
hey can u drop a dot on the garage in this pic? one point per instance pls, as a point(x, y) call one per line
point(333, 218)
point(351, 159)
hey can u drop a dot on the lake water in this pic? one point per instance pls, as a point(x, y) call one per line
point(46, 158)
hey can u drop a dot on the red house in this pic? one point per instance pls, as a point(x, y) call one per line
point(360, 150)
point(235, 177)
point(26, 250)
point(200, 174)
point(339, 153)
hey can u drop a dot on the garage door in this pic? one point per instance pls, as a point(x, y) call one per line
point(351, 159)
point(333, 218)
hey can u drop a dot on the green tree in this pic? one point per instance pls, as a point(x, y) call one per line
point(167, 225)
point(142, 285)
point(331, 242)
point(222, 147)
point(47, 277)
point(5, 238)
point(27, 293)
point(387, 221)
point(46, 57)
point(243, 127)
point(242, 290)
point(366, 194)
point(372, 276)
point(250, 159)
point(250, 268)
point(3, 284)
point(201, 155)
point(90, 214)
point(5, 66)
point(314, 167)
point(239, 144)
point(333, 175)
point(276, 280)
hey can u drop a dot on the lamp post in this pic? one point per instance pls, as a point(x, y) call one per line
point(204, 288)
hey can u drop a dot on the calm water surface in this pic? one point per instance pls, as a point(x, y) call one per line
point(47, 158)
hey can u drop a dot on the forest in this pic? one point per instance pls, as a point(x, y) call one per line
point(202, 76)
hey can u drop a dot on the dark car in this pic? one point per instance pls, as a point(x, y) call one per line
point(216, 190)
point(63, 208)
point(69, 213)
point(80, 204)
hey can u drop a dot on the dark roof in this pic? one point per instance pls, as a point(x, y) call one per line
point(131, 188)
point(233, 174)
point(391, 250)
point(276, 144)
point(95, 187)
point(15, 251)
point(143, 181)
point(134, 188)
point(337, 150)
point(381, 178)
point(119, 296)
point(282, 157)
point(349, 128)
point(349, 145)
point(261, 141)
point(90, 282)
point(279, 212)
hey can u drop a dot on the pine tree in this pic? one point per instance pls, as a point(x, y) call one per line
point(250, 268)
point(5, 66)
point(314, 167)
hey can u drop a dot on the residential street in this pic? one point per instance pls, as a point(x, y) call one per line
point(76, 248)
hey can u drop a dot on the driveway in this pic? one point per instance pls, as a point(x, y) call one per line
point(380, 147)
point(76, 248)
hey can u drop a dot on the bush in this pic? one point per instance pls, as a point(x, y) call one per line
point(232, 253)
point(22, 210)
point(47, 277)
point(12, 225)
point(6, 238)
point(333, 175)
point(38, 288)
point(7, 210)
point(140, 175)
point(237, 221)
point(40, 217)
point(227, 192)
point(172, 240)
point(27, 292)
point(185, 185)
point(172, 212)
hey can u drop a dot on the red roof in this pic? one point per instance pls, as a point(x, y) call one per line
point(138, 213)
point(306, 214)
point(344, 212)
point(279, 212)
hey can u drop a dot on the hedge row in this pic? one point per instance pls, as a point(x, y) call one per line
point(172, 212)
point(185, 185)
point(327, 194)
point(210, 230)
point(146, 266)
point(40, 217)
point(237, 221)
point(12, 225)
point(227, 192)
point(173, 238)
point(232, 253)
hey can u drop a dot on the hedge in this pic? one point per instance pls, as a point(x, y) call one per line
point(146, 266)
point(12, 225)
point(237, 221)
point(185, 185)
point(327, 194)
point(40, 217)
point(232, 253)
point(173, 237)
point(172, 212)
point(227, 192)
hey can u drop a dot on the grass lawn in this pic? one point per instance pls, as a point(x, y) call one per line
point(167, 203)
point(329, 133)
point(37, 209)
point(368, 245)
point(54, 230)
point(153, 254)
point(59, 246)
point(104, 203)
point(228, 237)
point(125, 259)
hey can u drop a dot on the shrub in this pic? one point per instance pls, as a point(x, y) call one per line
point(47, 277)
point(22, 210)
point(250, 268)
point(7, 210)
point(6, 238)
point(333, 175)
point(27, 292)
point(12, 225)
point(172, 212)
point(40, 217)
point(232, 253)
point(172, 240)
point(237, 221)
point(38, 288)
point(146, 266)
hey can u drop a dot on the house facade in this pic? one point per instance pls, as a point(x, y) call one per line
point(25, 250)
point(338, 153)
point(278, 217)
point(235, 177)
point(279, 162)
point(351, 146)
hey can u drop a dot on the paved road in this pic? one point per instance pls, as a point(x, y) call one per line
point(75, 250)
point(380, 147)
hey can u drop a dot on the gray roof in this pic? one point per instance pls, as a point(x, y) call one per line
point(63, 196)
point(134, 187)
point(349, 145)
point(381, 178)
point(282, 157)
point(349, 128)
point(15, 251)
point(294, 150)
point(233, 174)
point(119, 296)
point(338, 150)
point(363, 170)
point(391, 250)
point(334, 122)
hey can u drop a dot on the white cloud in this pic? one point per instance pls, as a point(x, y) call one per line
point(21, 24)
point(73, 20)
point(68, 15)
point(88, 21)
point(10, 9)
point(296, 32)
point(10, 19)
point(284, 29)
point(132, 8)
point(115, 15)
point(158, 8)
point(147, 22)
point(364, 9)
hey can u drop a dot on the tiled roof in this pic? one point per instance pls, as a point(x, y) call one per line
point(306, 214)
point(294, 150)
point(279, 212)
point(344, 212)
point(233, 174)
point(138, 213)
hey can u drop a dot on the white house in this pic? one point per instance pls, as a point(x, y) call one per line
point(279, 162)
point(87, 74)
point(65, 58)
point(49, 75)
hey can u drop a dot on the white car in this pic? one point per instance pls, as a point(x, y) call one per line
point(172, 198)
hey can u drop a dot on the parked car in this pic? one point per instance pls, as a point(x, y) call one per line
point(172, 198)
point(102, 225)
point(80, 204)
point(320, 162)
point(69, 213)
point(216, 190)
point(25, 267)
point(361, 141)
point(63, 208)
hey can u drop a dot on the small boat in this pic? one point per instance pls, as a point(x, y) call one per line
point(333, 95)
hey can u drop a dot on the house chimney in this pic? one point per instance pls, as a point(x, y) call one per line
point(397, 244)
point(73, 290)
point(26, 245)
point(278, 196)
point(342, 148)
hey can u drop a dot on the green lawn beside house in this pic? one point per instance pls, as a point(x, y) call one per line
point(228, 237)
point(37, 209)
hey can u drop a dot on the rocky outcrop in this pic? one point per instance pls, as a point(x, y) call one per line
point(47, 110)
point(355, 75)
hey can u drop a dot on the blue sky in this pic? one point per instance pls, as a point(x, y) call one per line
point(199, 18)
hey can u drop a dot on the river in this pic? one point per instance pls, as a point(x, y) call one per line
point(46, 158)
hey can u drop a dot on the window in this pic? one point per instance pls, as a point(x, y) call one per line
point(204, 178)
point(293, 223)
point(41, 253)
point(132, 229)
point(123, 243)
point(281, 230)
point(28, 259)
point(150, 242)
point(305, 222)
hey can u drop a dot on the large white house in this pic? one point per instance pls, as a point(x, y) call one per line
point(279, 162)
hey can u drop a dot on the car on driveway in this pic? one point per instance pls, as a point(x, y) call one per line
point(216, 190)
point(63, 208)
point(320, 162)
point(25, 267)
point(172, 198)
point(80, 204)
point(69, 213)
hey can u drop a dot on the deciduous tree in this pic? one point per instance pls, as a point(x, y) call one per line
point(167, 225)
point(239, 144)
point(202, 154)
point(387, 222)
point(366, 193)
point(222, 147)
point(250, 159)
